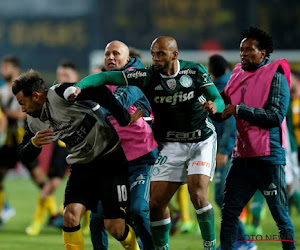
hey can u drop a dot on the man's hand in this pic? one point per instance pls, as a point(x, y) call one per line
point(136, 115)
point(229, 110)
point(221, 160)
point(43, 137)
point(209, 107)
point(71, 93)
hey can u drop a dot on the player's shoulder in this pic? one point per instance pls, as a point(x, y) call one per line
point(185, 65)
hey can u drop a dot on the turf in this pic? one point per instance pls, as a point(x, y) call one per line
point(23, 196)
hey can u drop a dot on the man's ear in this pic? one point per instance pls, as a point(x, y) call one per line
point(175, 55)
point(263, 53)
point(35, 95)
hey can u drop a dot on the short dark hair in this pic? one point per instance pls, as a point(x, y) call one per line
point(134, 52)
point(217, 65)
point(28, 83)
point(263, 40)
point(68, 64)
point(13, 60)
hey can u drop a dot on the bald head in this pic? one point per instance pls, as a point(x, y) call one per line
point(116, 55)
point(164, 53)
point(167, 42)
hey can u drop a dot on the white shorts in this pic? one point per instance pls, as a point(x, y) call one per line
point(177, 160)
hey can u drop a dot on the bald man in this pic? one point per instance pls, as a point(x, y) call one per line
point(183, 129)
point(139, 147)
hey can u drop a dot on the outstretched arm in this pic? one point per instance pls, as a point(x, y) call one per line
point(109, 78)
point(105, 98)
point(214, 103)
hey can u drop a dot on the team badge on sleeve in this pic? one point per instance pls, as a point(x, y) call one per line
point(186, 81)
point(171, 83)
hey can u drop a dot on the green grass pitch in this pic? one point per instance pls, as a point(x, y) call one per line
point(23, 196)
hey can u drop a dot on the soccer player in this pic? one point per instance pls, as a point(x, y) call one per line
point(258, 96)
point(182, 127)
point(98, 164)
point(66, 72)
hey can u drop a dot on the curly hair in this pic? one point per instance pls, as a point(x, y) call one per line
point(263, 40)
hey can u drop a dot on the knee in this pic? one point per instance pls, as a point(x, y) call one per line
point(156, 204)
point(71, 218)
point(198, 198)
point(116, 230)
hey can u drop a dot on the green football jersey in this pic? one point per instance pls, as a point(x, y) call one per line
point(175, 101)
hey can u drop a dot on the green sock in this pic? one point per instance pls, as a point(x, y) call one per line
point(206, 220)
point(160, 233)
point(256, 207)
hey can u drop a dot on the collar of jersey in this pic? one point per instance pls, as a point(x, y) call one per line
point(172, 76)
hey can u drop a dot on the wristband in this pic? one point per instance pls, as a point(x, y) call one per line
point(35, 144)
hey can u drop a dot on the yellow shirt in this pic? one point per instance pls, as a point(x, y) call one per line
point(296, 119)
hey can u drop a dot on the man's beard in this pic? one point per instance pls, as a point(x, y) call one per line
point(250, 67)
point(35, 114)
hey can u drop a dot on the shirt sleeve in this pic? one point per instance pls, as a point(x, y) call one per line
point(203, 78)
point(275, 108)
point(128, 96)
point(101, 95)
point(212, 94)
point(27, 152)
point(109, 78)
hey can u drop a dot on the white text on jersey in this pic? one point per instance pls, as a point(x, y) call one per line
point(173, 99)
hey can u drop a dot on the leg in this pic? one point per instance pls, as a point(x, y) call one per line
point(198, 185)
point(240, 187)
point(256, 207)
point(220, 178)
point(38, 176)
point(122, 232)
point(8, 160)
point(98, 231)
point(201, 167)
point(274, 189)
point(168, 173)
point(139, 182)
point(46, 203)
point(72, 234)
point(184, 207)
point(115, 198)
point(161, 193)
point(80, 195)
